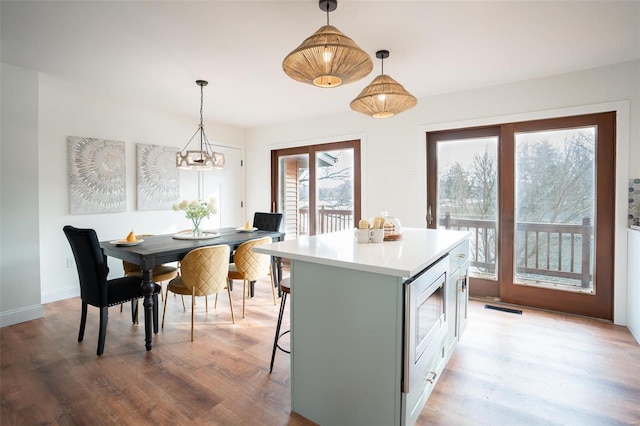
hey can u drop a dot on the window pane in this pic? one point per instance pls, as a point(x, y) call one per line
point(468, 197)
point(334, 187)
point(555, 209)
point(294, 194)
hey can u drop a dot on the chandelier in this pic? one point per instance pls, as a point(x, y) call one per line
point(205, 158)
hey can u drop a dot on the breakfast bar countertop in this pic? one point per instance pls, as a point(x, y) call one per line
point(417, 249)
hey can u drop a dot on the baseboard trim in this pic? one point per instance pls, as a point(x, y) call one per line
point(62, 294)
point(16, 316)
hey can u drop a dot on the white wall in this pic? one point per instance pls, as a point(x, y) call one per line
point(393, 150)
point(63, 114)
point(19, 238)
point(394, 155)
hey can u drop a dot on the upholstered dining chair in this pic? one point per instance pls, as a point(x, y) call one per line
point(267, 221)
point(95, 288)
point(203, 271)
point(249, 266)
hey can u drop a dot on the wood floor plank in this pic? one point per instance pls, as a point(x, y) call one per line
point(537, 368)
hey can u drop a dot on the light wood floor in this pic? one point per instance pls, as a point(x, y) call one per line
point(538, 368)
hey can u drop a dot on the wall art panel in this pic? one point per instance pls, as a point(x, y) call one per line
point(634, 202)
point(97, 179)
point(158, 177)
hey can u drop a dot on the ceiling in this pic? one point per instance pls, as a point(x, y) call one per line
point(151, 52)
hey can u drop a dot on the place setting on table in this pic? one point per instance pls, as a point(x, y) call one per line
point(130, 240)
point(247, 228)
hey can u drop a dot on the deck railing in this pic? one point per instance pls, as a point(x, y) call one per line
point(548, 249)
point(329, 220)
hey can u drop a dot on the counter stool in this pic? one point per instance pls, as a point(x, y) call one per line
point(285, 288)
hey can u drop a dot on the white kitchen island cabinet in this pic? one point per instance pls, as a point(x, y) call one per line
point(349, 323)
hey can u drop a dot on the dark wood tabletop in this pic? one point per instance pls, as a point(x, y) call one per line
point(158, 249)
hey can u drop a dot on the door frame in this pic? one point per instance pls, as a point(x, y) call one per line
point(478, 287)
point(601, 306)
point(312, 150)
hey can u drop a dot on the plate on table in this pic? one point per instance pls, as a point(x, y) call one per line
point(254, 229)
point(127, 243)
point(189, 236)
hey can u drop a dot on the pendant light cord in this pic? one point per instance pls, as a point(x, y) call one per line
point(201, 120)
point(201, 103)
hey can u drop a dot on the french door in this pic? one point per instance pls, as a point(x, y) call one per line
point(316, 187)
point(538, 199)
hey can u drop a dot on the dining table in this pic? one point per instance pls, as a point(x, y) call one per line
point(159, 249)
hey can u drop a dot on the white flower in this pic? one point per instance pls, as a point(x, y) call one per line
point(196, 209)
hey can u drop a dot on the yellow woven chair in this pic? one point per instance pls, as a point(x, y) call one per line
point(203, 272)
point(160, 273)
point(249, 266)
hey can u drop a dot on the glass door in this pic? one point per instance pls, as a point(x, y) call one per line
point(538, 198)
point(558, 222)
point(465, 197)
point(555, 208)
point(319, 199)
point(293, 194)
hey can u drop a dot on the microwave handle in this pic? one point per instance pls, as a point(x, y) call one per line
point(463, 283)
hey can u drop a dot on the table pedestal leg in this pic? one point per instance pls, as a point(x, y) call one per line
point(147, 289)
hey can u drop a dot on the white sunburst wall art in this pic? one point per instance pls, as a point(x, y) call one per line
point(97, 178)
point(158, 177)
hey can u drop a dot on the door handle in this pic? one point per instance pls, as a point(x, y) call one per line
point(429, 215)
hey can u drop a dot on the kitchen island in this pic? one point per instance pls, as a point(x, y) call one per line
point(352, 322)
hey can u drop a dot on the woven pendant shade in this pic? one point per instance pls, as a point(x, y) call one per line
point(383, 97)
point(327, 58)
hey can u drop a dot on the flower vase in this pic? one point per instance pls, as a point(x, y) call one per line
point(195, 231)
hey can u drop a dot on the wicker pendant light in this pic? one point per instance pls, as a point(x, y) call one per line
point(205, 158)
point(383, 97)
point(327, 58)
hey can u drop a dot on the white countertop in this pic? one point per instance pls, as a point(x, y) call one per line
point(406, 257)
